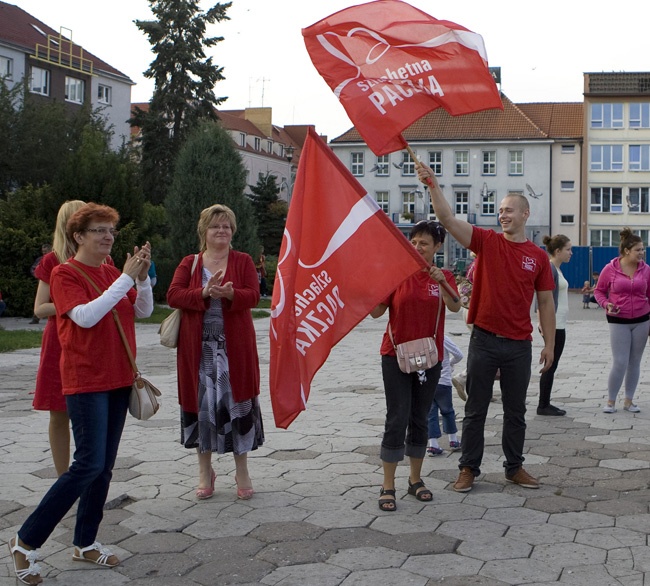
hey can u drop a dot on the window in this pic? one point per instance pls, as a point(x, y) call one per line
point(269, 146)
point(567, 185)
point(607, 115)
point(640, 157)
point(408, 165)
point(6, 67)
point(383, 166)
point(435, 162)
point(257, 143)
point(606, 157)
point(639, 115)
point(461, 162)
point(516, 163)
point(357, 164)
point(607, 200)
point(605, 237)
point(567, 219)
point(383, 200)
point(568, 149)
point(488, 206)
point(408, 201)
point(242, 139)
point(39, 82)
point(74, 90)
point(104, 94)
point(461, 202)
point(639, 200)
point(489, 162)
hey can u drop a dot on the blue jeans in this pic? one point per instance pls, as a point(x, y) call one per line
point(407, 406)
point(487, 353)
point(442, 401)
point(97, 424)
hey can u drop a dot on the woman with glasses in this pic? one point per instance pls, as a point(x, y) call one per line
point(218, 367)
point(96, 378)
point(416, 310)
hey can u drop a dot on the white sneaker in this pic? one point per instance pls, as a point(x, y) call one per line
point(459, 384)
point(609, 408)
point(631, 407)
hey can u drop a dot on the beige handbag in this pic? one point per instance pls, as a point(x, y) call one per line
point(420, 354)
point(143, 400)
point(171, 325)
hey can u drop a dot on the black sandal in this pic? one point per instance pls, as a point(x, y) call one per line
point(424, 494)
point(388, 505)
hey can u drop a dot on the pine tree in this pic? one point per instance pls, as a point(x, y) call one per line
point(270, 211)
point(208, 171)
point(184, 85)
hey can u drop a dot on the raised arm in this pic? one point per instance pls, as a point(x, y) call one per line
point(459, 229)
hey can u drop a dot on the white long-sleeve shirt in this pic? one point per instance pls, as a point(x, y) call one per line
point(452, 355)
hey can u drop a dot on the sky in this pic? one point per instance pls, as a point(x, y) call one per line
point(543, 48)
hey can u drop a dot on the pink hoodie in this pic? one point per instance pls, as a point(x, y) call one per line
point(629, 294)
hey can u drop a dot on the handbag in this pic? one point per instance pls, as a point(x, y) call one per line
point(171, 325)
point(420, 354)
point(144, 397)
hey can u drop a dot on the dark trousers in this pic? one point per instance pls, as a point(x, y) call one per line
point(546, 380)
point(97, 424)
point(487, 354)
point(408, 402)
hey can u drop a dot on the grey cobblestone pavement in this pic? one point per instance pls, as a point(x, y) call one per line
point(314, 520)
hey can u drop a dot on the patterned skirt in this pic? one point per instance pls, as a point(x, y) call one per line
point(221, 425)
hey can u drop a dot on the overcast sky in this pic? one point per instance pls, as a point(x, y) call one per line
point(543, 48)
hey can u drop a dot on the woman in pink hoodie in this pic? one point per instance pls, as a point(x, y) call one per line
point(622, 290)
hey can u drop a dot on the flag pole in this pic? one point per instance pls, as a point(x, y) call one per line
point(418, 163)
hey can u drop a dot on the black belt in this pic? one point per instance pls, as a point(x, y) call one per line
point(488, 332)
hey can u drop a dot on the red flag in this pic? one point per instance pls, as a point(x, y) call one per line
point(390, 63)
point(340, 257)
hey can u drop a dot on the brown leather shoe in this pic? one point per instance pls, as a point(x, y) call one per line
point(465, 480)
point(522, 478)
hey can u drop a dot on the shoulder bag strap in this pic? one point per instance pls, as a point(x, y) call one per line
point(435, 331)
point(136, 372)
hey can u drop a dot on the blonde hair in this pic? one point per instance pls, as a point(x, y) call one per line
point(63, 246)
point(206, 217)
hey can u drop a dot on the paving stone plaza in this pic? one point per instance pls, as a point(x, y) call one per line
point(314, 519)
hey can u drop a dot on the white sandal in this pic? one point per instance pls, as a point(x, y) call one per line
point(31, 555)
point(102, 559)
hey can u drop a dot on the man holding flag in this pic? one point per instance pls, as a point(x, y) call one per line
point(510, 270)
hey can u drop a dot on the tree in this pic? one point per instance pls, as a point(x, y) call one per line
point(208, 171)
point(184, 83)
point(270, 211)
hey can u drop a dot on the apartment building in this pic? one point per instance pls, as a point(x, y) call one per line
point(478, 159)
point(617, 169)
point(58, 69)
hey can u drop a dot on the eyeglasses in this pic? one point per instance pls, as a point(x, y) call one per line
point(103, 231)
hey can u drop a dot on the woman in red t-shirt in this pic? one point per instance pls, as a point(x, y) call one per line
point(96, 379)
point(414, 310)
point(48, 395)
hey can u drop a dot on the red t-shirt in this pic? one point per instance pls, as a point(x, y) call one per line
point(413, 309)
point(505, 281)
point(92, 359)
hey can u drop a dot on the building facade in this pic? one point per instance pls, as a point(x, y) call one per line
point(617, 169)
point(57, 69)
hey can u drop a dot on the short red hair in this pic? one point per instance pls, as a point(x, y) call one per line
point(91, 212)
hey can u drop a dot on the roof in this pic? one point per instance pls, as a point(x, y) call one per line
point(514, 122)
point(17, 29)
point(557, 119)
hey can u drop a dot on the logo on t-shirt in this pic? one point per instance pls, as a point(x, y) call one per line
point(528, 264)
point(433, 290)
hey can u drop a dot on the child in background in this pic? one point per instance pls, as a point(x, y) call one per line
point(442, 402)
point(586, 294)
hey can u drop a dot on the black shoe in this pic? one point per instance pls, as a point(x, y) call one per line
point(550, 410)
point(34, 320)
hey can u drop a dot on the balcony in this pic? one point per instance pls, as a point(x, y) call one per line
point(410, 218)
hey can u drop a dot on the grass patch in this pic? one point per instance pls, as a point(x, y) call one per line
point(265, 303)
point(159, 313)
point(259, 313)
point(11, 340)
